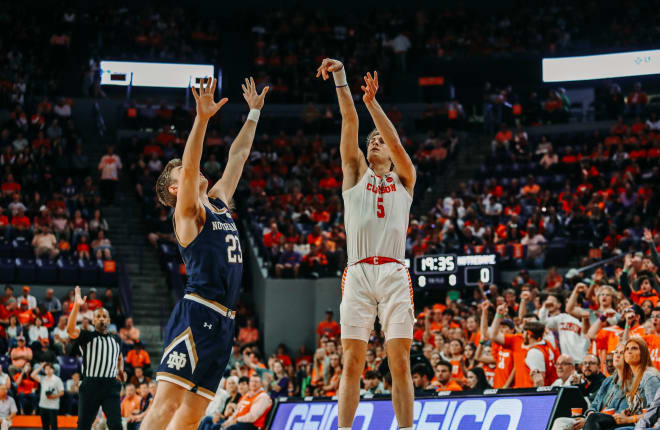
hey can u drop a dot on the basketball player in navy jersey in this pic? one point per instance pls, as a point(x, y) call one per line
point(199, 334)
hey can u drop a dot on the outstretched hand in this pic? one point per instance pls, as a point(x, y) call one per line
point(206, 106)
point(253, 99)
point(328, 66)
point(78, 297)
point(370, 87)
point(648, 236)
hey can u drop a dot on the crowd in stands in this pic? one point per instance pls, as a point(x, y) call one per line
point(49, 198)
point(598, 330)
point(38, 364)
point(590, 191)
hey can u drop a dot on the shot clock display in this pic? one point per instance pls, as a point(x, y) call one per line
point(451, 270)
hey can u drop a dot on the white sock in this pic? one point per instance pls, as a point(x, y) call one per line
point(405, 428)
point(346, 428)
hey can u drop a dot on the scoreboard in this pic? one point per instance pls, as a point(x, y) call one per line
point(452, 270)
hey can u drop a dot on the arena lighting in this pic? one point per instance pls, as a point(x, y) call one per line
point(163, 75)
point(634, 63)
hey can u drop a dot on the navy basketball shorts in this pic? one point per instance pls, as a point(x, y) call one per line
point(198, 342)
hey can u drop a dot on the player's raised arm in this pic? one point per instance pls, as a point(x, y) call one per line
point(188, 204)
point(240, 148)
point(403, 165)
point(353, 163)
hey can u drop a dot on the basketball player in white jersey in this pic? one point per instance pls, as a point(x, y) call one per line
point(377, 195)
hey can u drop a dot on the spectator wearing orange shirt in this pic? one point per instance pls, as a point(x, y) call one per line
point(503, 137)
point(315, 262)
point(637, 100)
point(26, 390)
point(328, 327)
point(131, 404)
point(20, 356)
point(138, 357)
point(272, 237)
point(443, 378)
point(24, 314)
point(531, 189)
point(316, 236)
point(92, 302)
point(248, 335)
point(21, 224)
point(10, 186)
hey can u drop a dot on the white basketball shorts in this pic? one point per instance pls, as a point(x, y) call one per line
point(369, 290)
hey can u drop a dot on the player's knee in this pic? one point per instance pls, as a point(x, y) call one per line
point(166, 407)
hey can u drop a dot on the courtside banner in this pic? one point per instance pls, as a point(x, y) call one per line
point(528, 412)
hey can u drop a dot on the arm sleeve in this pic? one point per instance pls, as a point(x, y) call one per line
point(552, 323)
point(260, 405)
point(535, 360)
point(650, 418)
point(625, 284)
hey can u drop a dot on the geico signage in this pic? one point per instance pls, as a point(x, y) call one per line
point(503, 413)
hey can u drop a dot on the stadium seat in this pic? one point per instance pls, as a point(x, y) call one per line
point(68, 272)
point(22, 249)
point(26, 270)
point(46, 271)
point(6, 249)
point(68, 366)
point(5, 361)
point(89, 272)
point(7, 270)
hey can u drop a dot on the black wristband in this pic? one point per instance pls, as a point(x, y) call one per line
point(341, 86)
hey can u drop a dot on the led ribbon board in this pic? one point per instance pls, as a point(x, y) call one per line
point(465, 413)
point(605, 66)
point(163, 75)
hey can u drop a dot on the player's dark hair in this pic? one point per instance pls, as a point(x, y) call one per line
point(164, 181)
point(243, 379)
point(371, 135)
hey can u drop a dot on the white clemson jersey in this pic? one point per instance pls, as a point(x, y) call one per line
point(376, 214)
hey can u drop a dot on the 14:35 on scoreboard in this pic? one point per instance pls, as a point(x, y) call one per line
point(452, 270)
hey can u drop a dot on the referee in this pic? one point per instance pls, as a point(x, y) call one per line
point(102, 363)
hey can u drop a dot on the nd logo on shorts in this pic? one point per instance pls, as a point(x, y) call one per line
point(180, 356)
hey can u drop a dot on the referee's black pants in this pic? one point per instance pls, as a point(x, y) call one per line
point(103, 392)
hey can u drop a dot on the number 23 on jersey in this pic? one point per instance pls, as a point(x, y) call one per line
point(234, 253)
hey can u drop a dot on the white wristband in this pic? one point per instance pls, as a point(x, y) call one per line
point(254, 115)
point(340, 77)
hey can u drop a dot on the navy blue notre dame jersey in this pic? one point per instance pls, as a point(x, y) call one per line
point(198, 338)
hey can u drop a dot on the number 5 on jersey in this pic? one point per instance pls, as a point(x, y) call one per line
point(380, 213)
point(234, 253)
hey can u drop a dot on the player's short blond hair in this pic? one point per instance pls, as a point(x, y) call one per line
point(165, 181)
point(371, 135)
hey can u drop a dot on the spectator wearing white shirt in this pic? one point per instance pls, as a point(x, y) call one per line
point(569, 329)
point(653, 123)
point(8, 409)
point(62, 109)
point(567, 376)
point(32, 301)
point(110, 165)
point(60, 335)
point(51, 389)
point(535, 245)
point(37, 331)
point(400, 46)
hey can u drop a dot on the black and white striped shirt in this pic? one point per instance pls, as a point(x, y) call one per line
point(100, 354)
